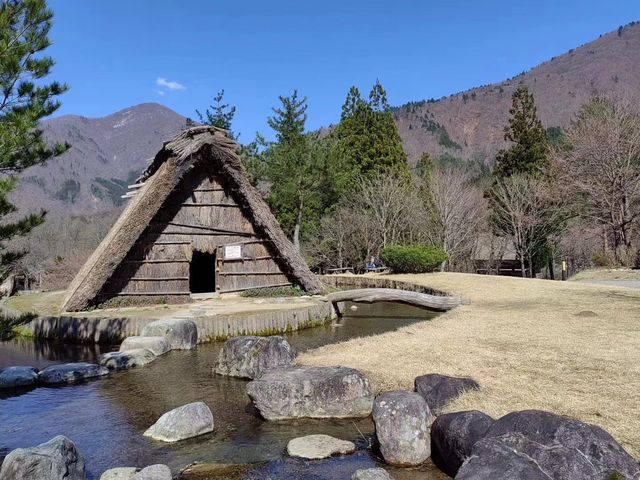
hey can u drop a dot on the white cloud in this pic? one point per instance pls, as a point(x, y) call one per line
point(162, 93)
point(164, 83)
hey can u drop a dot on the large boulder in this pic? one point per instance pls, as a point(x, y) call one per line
point(181, 333)
point(439, 390)
point(153, 472)
point(183, 422)
point(128, 359)
point(250, 357)
point(57, 459)
point(316, 447)
point(71, 373)
point(550, 430)
point(515, 457)
point(312, 392)
point(402, 420)
point(453, 435)
point(157, 345)
point(14, 377)
point(371, 474)
point(120, 473)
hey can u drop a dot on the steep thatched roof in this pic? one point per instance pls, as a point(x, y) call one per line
point(173, 161)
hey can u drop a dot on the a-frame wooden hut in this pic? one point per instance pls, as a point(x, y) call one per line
point(194, 224)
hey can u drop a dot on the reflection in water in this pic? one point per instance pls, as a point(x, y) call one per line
point(39, 353)
point(106, 418)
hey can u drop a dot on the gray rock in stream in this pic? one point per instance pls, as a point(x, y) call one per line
point(13, 377)
point(181, 423)
point(153, 472)
point(157, 345)
point(182, 334)
point(128, 359)
point(57, 459)
point(371, 474)
point(312, 392)
point(402, 420)
point(250, 356)
point(120, 473)
point(71, 373)
point(316, 447)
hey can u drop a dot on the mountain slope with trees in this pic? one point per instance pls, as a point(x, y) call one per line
point(470, 124)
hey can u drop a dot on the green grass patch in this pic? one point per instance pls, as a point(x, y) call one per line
point(11, 327)
point(293, 291)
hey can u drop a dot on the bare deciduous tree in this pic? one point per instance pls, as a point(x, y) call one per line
point(457, 213)
point(524, 209)
point(380, 211)
point(601, 171)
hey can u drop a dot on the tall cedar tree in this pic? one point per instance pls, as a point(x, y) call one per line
point(219, 114)
point(24, 100)
point(291, 166)
point(527, 158)
point(369, 136)
point(529, 152)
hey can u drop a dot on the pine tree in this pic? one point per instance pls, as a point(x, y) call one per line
point(291, 166)
point(25, 99)
point(369, 136)
point(529, 152)
point(221, 114)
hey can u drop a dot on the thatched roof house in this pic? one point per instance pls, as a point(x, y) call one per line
point(193, 224)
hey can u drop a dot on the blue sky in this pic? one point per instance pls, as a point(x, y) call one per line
point(119, 53)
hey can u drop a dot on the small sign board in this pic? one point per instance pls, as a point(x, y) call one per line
point(233, 252)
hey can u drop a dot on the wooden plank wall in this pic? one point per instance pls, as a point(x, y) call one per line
point(199, 216)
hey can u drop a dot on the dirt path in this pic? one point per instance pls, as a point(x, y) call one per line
point(567, 347)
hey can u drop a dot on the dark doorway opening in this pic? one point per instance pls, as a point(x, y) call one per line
point(202, 272)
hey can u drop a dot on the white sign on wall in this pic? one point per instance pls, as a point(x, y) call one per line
point(233, 252)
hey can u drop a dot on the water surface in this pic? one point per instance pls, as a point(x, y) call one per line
point(106, 417)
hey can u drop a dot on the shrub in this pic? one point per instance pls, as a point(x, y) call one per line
point(413, 258)
point(603, 260)
point(293, 291)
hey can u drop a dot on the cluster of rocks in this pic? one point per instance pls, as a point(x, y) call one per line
point(24, 377)
point(156, 338)
point(409, 426)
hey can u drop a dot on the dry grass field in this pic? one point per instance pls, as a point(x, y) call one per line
point(566, 347)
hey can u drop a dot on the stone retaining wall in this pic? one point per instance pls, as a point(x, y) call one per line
point(210, 328)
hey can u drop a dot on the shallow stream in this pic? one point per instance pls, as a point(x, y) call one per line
point(106, 418)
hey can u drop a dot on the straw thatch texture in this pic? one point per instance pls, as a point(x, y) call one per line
point(196, 179)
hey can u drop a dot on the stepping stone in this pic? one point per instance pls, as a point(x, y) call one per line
point(371, 474)
point(315, 447)
point(13, 377)
point(181, 423)
point(121, 473)
point(157, 345)
point(153, 472)
point(128, 359)
point(71, 373)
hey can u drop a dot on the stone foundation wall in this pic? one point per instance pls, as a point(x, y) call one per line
point(210, 328)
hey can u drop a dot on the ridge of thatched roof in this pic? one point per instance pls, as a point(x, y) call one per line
point(176, 158)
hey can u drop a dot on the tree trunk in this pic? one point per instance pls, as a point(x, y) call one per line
point(522, 269)
point(296, 229)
